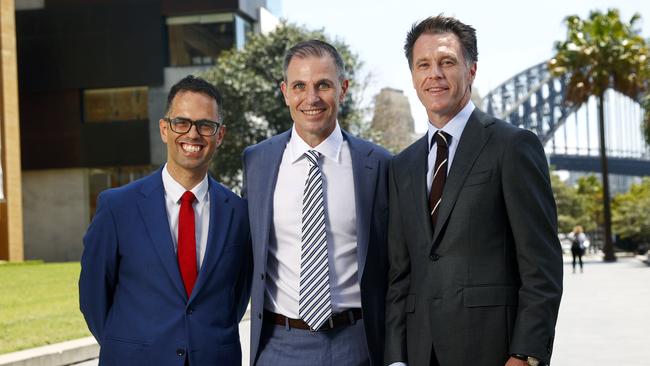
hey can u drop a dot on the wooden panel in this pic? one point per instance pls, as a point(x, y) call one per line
point(11, 223)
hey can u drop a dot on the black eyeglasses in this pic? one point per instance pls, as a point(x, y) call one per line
point(204, 127)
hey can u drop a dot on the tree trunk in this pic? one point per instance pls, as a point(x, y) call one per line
point(608, 248)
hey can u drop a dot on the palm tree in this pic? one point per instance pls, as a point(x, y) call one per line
point(602, 52)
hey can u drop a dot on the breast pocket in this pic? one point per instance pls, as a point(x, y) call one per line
point(478, 178)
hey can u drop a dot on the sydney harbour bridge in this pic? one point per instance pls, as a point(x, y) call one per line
point(534, 99)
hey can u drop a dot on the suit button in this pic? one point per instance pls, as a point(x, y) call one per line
point(259, 315)
point(180, 352)
point(434, 257)
point(262, 276)
point(190, 311)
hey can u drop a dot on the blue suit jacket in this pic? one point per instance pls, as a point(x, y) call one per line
point(131, 292)
point(370, 168)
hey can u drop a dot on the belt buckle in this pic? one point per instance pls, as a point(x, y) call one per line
point(330, 322)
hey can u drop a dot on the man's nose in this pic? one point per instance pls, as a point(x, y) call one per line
point(193, 132)
point(435, 72)
point(312, 95)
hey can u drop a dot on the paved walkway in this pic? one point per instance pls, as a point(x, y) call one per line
point(605, 315)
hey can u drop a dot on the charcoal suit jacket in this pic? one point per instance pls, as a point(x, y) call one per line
point(486, 281)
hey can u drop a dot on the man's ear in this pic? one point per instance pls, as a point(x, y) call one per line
point(221, 134)
point(344, 90)
point(164, 129)
point(283, 88)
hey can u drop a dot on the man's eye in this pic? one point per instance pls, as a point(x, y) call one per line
point(299, 86)
point(180, 122)
point(423, 66)
point(323, 86)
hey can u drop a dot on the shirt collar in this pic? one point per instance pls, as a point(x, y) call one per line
point(175, 190)
point(455, 126)
point(330, 147)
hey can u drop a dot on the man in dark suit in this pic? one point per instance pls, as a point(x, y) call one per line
point(317, 201)
point(165, 268)
point(475, 272)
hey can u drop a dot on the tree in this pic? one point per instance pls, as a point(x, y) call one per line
point(591, 192)
point(602, 52)
point(574, 204)
point(631, 213)
point(254, 107)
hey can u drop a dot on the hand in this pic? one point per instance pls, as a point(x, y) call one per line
point(516, 362)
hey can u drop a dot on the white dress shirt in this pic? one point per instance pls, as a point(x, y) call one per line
point(455, 128)
point(173, 193)
point(283, 266)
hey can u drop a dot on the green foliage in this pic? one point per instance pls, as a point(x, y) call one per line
point(39, 305)
point(575, 205)
point(631, 213)
point(591, 190)
point(602, 52)
point(254, 108)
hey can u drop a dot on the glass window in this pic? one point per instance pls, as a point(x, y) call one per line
point(105, 178)
point(116, 104)
point(198, 40)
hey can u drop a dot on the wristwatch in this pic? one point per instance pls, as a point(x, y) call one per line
point(530, 361)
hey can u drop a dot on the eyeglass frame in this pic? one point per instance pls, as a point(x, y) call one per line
point(194, 123)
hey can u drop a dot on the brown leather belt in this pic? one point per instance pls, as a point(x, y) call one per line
point(347, 317)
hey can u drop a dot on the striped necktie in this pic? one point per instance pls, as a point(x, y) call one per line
point(314, 299)
point(442, 140)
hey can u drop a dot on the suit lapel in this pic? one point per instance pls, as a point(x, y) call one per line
point(270, 168)
point(472, 141)
point(416, 184)
point(221, 212)
point(364, 171)
point(154, 214)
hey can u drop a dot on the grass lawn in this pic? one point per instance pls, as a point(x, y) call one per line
point(39, 305)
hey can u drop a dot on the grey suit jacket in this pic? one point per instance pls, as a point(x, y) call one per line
point(486, 282)
point(370, 169)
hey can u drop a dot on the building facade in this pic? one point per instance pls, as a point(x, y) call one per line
point(93, 80)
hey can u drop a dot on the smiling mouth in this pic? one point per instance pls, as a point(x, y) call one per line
point(313, 112)
point(191, 148)
point(436, 90)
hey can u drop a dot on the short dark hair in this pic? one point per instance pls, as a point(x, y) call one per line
point(442, 24)
point(317, 48)
point(197, 85)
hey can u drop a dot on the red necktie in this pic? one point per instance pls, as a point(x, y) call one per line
point(187, 242)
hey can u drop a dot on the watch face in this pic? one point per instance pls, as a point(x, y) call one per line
point(532, 361)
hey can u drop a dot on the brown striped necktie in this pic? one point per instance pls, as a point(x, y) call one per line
point(442, 140)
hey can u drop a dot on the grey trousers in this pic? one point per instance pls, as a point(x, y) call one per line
point(344, 346)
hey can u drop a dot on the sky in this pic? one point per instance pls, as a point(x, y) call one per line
point(512, 35)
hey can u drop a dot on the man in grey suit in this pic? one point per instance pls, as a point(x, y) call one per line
point(475, 266)
point(318, 201)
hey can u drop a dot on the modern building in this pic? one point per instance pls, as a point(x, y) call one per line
point(93, 79)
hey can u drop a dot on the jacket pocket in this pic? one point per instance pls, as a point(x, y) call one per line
point(410, 303)
point(490, 296)
point(477, 178)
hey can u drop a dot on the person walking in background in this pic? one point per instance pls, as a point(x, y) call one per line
point(578, 239)
point(165, 271)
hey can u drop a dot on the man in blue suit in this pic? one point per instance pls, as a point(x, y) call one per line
point(165, 268)
point(318, 205)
